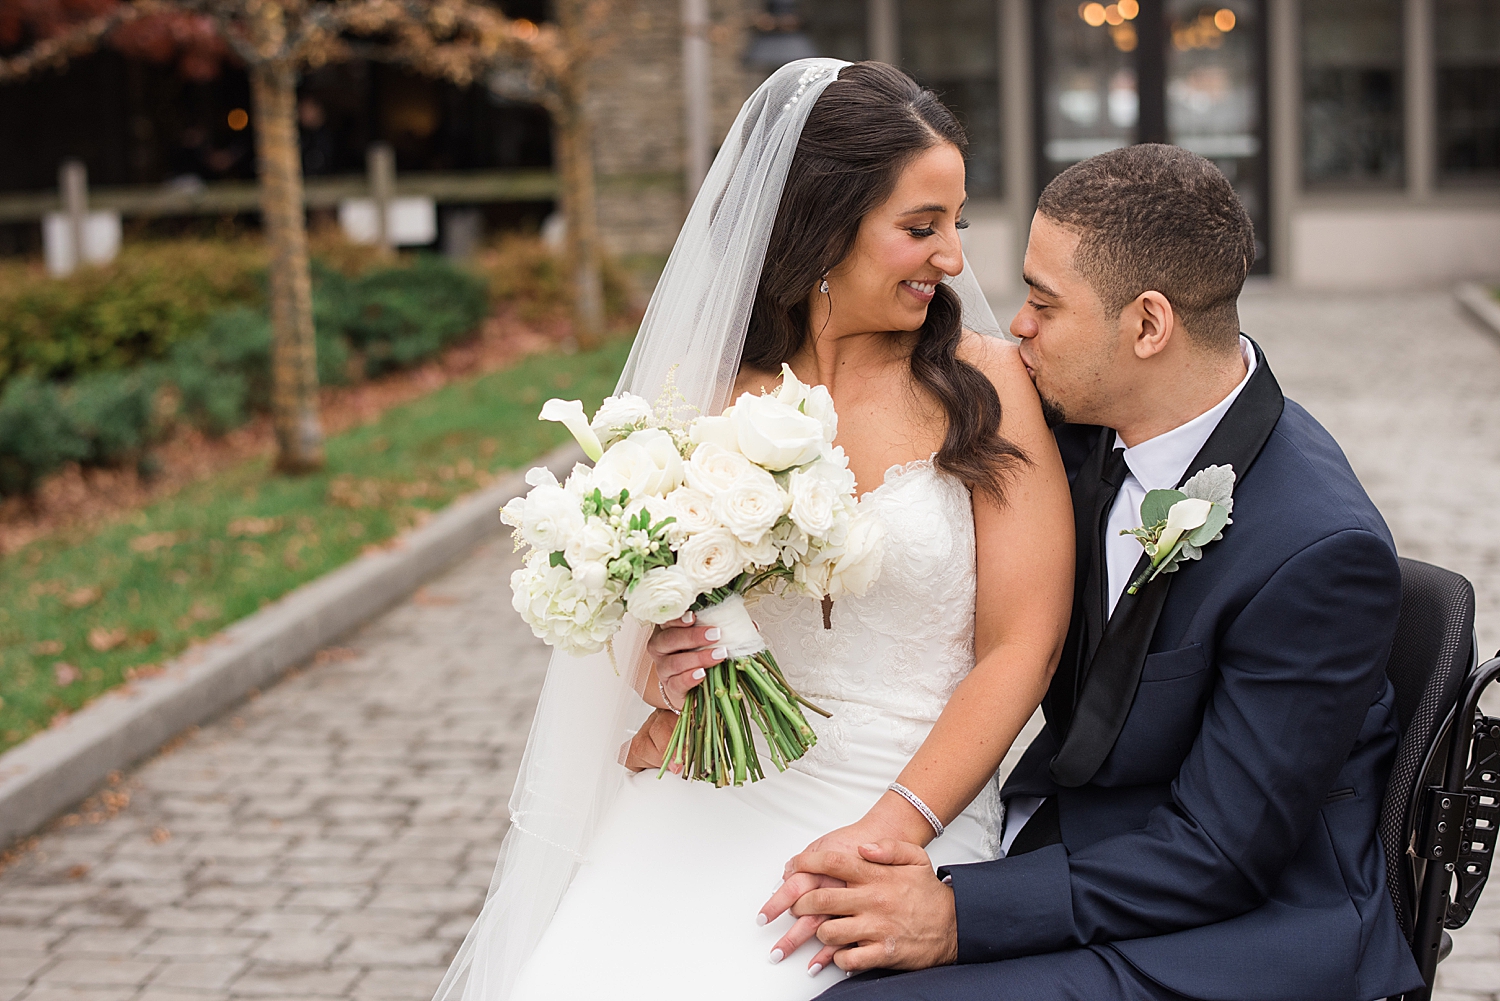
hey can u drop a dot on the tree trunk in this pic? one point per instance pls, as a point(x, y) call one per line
point(294, 359)
point(575, 153)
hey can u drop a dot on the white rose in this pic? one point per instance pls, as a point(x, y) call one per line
point(711, 559)
point(595, 541)
point(815, 500)
point(714, 469)
point(819, 406)
point(548, 517)
point(715, 431)
point(693, 510)
point(592, 575)
point(774, 435)
point(646, 463)
point(750, 506)
point(617, 414)
point(859, 564)
point(662, 595)
point(763, 553)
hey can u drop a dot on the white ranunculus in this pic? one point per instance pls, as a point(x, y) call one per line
point(562, 611)
point(646, 463)
point(714, 469)
point(750, 506)
point(569, 413)
point(618, 415)
point(859, 564)
point(596, 541)
point(693, 510)
point(712, 558)
point(715, 431)
point(548, 517)
point(592, 575)
point(662, 595)
point(816, 498)
point(774, 435)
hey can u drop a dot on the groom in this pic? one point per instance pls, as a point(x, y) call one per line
point(1197, 819)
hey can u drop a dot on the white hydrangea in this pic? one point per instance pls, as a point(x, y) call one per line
point(561, 611)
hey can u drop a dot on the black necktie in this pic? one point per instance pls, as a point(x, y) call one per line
point(1096, 587)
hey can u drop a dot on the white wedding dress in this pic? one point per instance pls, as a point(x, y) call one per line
point(664, 906)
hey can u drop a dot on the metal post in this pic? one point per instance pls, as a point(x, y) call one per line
point(883, 31)
point(1284, 130)
point(1420, 99)
point(380, 162)
point(697, 90)
point(73, 180)
point(1017, 102)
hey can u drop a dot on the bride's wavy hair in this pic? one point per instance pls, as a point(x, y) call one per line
point(866, 127)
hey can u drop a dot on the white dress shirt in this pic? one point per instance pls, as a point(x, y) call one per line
point(1155, 464)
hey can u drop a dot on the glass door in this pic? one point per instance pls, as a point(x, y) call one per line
point(1177, 71)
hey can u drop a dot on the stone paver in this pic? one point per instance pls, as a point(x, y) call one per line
point(334, 837)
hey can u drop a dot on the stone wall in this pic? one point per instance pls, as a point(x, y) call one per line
point(637, 107)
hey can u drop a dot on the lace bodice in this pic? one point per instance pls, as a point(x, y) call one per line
point(902, 648)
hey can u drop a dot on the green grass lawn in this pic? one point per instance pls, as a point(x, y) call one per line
point(82, 612)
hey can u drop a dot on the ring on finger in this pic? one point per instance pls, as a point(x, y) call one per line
point(667, 698)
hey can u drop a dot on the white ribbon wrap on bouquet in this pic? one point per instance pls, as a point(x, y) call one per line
point(737, 631)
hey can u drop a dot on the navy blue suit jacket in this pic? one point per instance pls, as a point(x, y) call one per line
point(1227, 845)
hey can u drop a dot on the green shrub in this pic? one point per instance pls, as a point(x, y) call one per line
point(399, 317)
point(524, 273)
point(131, 311)
point(36, 435)
point(115, 412)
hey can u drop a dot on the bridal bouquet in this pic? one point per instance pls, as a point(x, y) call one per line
point(677, 515)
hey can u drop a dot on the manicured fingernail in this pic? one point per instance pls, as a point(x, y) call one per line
point(720, 652)
point(699, 674)
point(871, 847)
point(815, 969)
point(711, 634)
point(777, 956)
point(688, 617)
point(760, 920)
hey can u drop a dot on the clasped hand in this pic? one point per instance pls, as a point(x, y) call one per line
point(880, 907)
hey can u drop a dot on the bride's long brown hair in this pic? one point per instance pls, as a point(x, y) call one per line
point(867, 126)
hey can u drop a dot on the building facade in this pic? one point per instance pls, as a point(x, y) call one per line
point(1362, 135)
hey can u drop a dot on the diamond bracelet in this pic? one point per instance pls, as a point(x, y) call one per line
point(921, 807)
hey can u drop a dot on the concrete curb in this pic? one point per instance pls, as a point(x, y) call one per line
point(1481, 304)
point(53, 770)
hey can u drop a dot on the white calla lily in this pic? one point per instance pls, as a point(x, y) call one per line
point(569, 413)
point(1184, 516)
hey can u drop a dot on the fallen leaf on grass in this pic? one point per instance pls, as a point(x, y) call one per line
point(64, 674)
point(83, 597)
point(254, 526)
point(152, 541)
point(104, 640)
point(143, 671)
point(201, 611)
point(47, 647)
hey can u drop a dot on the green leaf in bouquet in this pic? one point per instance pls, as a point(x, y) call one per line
point(1218, 517)
point(1156, 505)
point(558, 559)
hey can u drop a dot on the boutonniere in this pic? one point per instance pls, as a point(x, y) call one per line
point(1177, 524)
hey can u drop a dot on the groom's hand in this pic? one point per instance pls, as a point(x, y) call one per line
point(892, 914)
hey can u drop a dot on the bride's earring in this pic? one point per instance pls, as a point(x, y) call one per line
point(824, 286)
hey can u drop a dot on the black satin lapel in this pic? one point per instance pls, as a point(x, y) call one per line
point(1057, 705)
point(1109, 685)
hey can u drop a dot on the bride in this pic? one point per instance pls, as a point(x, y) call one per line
point(826, 237)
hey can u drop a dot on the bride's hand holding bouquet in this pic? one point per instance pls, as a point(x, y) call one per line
point(690, 516)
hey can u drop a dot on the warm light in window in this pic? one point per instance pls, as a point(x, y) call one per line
point(524, 29)
point(1129, 9)
point(238, 119)
point(1112, 14)
point(1224, 19)
point(1124, 37)
point(1092, 14)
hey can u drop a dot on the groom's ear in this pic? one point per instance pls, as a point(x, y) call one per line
point(1152, 322)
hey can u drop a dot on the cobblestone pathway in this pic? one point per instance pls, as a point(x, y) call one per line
point(333, 837)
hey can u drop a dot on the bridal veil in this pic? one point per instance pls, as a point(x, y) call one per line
point(693, 332)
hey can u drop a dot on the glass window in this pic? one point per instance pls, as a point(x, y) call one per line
point(1214, 94)
point(956, 55)
point(1090, 103)
point(1467, 36)
point(836, 27)
point(1352, 93)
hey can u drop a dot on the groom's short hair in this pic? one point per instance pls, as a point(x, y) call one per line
point(1156, 217)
